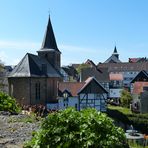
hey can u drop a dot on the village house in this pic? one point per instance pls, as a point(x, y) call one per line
point(69, 74)
point(101, 74)
point(139, 91)
point(34, 80)
point(89, 93)
point(128, 70)
point(115, 86)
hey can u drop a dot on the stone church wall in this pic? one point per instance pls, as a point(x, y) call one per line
point(19, 88)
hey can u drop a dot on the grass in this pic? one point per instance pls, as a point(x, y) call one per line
point(132, 117)
point(121, 109)
point(134, 145)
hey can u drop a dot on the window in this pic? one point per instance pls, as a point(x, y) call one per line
point(37, 91)
point(11, 89)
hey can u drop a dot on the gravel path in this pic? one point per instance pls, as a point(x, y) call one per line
point(13, 133)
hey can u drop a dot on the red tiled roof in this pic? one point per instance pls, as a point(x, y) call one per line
point(133, 60)
point(117, 77)
point(72, 87)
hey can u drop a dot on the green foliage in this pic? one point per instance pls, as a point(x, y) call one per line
point(139, 121)
point(8, 103)
point(123, 110)
point(82, 66)
point(74, 129)
point(126, 98)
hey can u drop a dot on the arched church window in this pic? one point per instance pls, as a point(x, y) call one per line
point(37, 91)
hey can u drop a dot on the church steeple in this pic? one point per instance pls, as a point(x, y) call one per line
point(49, 49)
point(115, 53)
point(49, 41)
point(115, 50)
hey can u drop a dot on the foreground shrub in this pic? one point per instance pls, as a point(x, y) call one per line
point(8, 103)
point(74, 129)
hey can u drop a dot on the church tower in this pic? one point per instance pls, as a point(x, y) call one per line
point(115, 53)
point(49, 49)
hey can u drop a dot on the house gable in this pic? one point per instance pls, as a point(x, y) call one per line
point(92, 86)
point(141, 76)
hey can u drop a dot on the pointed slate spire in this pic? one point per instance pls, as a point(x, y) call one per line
point(49, 41)
point(115, 50)
point(115, 53)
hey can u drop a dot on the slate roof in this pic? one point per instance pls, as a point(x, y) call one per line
point(75, 65)
point(49, 41)
point(90, 62)
point(32, 66)
point(88, 82)
point(100, 74)
point(141, 76)
point(115, 50)
point(123, 67)
point(112, 59)
point(70, 70)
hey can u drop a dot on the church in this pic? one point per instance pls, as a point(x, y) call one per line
point(34, 80)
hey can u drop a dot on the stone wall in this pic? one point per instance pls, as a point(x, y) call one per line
point(19, 88)
point(24, 90)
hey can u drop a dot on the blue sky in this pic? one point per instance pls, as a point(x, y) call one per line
point(84, 29)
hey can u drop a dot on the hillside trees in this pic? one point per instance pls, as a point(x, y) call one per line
point(82, 66)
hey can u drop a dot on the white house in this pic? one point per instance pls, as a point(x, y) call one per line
point(82, 95)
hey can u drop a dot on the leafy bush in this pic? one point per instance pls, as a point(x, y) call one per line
point(8, 103)
point(71, 128)
point(126, 98)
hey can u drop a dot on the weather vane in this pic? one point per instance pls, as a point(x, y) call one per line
point(49, 12)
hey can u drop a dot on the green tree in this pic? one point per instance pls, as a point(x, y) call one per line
point(126, 98)
point(82, 66)
point(73, 129)
point(8, 103)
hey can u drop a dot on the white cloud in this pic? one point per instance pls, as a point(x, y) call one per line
point(11, 52)
point(18, 45)
point(3, 56)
